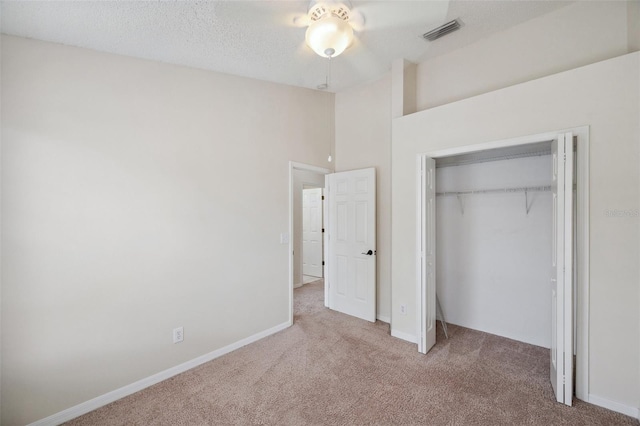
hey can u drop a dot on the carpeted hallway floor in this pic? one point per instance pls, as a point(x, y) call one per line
point(332, 369)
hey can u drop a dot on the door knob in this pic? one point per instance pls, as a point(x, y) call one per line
point(369, 253)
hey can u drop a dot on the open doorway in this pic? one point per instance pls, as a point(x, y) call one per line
point(304, 177)
point(349, 241)
point(506, 216)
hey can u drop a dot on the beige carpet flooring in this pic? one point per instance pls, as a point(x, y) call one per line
point(332, 369)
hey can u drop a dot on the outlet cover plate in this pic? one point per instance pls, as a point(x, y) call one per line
point(178, 334)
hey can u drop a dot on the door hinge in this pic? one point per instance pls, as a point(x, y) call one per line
point(322, 229)
point(323, 198)
point(323, 263)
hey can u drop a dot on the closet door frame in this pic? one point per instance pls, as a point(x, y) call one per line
point(581, 280)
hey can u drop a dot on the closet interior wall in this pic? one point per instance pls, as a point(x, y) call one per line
point(494, 247)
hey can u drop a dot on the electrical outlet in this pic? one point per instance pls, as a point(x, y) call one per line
point(403, 309)
point(178, 335)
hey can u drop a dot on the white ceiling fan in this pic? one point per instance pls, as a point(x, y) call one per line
point(336, 26)
point(330, 29)
point(330, 26)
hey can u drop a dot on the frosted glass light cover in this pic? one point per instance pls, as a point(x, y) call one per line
point(329, 32)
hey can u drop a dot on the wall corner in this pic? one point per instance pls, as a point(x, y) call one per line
point(403, 88)
point(633, 26)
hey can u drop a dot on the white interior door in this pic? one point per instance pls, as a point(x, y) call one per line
point(426, 249)
point(352, 243)
point(312, 232)
point(562, 270)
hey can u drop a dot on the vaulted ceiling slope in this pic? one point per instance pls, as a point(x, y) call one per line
point(263, 39)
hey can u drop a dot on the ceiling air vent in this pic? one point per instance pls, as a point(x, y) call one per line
point(442, 30)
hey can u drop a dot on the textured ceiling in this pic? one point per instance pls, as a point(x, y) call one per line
point(263, 39)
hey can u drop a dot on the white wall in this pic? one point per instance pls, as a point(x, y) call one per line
point(363, 139)
point(604, 96)
point(579, 34)
point(493, 260)
point(137, 197)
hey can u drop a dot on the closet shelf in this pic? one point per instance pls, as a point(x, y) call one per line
point(525, 189)
point(495, 191)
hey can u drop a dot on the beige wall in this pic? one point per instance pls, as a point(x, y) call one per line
point(579, 34)
point(363, 139)
point(633, 25)
point(137, 197)
point(604, 96)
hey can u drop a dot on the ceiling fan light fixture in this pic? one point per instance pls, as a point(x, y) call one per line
point(330, 34)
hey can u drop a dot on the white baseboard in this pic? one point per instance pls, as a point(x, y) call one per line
point(615, 406)
point(383, 319)
point(404, 336)
point(107, 398)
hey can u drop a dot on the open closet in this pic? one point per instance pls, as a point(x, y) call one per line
point(494, 241)
point(497, 245)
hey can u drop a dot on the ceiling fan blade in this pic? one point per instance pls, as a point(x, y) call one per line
point(357, 21)
point(357, 60)
point(300, 20)
point(389, 14)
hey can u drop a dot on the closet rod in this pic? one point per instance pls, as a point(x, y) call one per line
point(493, 191)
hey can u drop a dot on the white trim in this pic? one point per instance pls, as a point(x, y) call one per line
point(582, 230)
point(309, 168)
point(503, 143)
point(298, 166)
point(383, 318)
point(109, 397)
point(567, 297)
point(325, 239)
point(582, 257)
point(420, 236)
point(404, 336)
point(614, 406)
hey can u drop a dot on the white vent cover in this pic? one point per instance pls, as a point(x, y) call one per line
point(442, 30)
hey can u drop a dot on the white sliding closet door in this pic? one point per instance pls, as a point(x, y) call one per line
point(426, 262)
point(562, 270)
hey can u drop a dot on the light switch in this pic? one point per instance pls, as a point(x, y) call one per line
point(284, 238)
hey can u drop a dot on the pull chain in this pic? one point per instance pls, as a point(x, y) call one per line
point(329, 53)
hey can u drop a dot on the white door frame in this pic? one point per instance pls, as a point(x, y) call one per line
point(582, 234)
point(306, 167)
